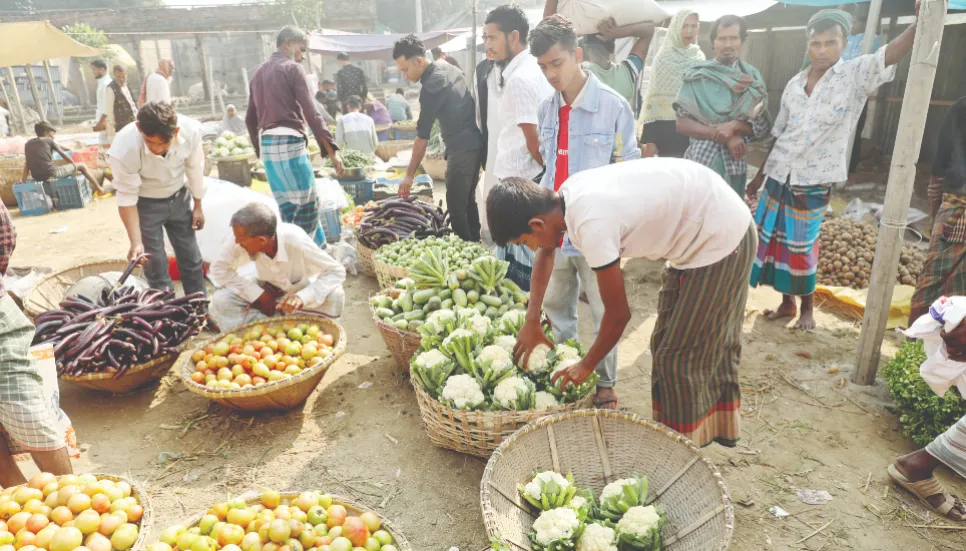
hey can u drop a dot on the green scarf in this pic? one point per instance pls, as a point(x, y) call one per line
point(671, 62)
point(714, 93)
point(841, 17)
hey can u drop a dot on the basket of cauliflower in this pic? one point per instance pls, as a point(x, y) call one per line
point(638, 486)
point(231, 147)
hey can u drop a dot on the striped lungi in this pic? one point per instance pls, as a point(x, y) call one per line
point(944, 272)
point(696, 347)
point(30, 420)
point(950, 447)
point(789, 219)
point(292, 180)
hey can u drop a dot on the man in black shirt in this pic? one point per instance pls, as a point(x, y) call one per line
point(445, 97)
point(39, 159)
point(349, 81)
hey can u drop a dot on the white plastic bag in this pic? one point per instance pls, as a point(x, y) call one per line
point(938, 370)
point(586, 14)
point(331, 194)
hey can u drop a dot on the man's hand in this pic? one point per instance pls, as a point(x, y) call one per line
point(919, 5)
point(405, 186)
point(266, 304)
point(290, 303)
point(725, 131)
point(935, 194)
point(575, 374)
point(136, 250)
point(197, 217)
point(752, 190)
point(955, 342)
point(530, 336)
point(737, 147)
point(607, 29)
point(337, 164)
point(99, 127)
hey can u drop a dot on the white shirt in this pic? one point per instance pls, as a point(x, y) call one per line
point(99, 97)
point(140, 173)
point(814, 131)
point(299, 266)
point(494, 96)
point(357, 131)
point(525, 87)
point(109, 108)
point(157, 88)
point(660, 208)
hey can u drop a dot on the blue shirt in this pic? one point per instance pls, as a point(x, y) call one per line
point(601, 132)
point(854, 48)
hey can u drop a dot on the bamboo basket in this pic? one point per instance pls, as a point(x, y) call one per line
point(388, 275)
point(252, 497)
point(403, 345)
point(478, 432)
point(388, 149)
point(11, 170)
point(134, 378)
point(144, 525)
point(273, 396)
point(436, 168)
point(366, 259)
point(599, 447)
point(51, 290)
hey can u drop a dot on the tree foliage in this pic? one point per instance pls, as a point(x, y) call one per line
point(307, 13)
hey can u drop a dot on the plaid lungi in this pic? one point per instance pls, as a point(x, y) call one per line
point(738, 182)
point(950, 447)
point(292, 180)
point(696, 347)
point(789, 220)
point(29, 420)
point(944, 272)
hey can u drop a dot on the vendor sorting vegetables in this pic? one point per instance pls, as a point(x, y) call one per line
point(30, 422)
point(158, 166)
point(293, 273)
point(355, 130)
point(656, 209)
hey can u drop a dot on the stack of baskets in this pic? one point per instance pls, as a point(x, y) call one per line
point(282, 395)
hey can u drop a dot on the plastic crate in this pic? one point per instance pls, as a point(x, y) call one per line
point(72, 192)
point(88, 156)
point(360, 190)
point(32, 199)
point(403, 134)
point(236, 172)
point(331, 225)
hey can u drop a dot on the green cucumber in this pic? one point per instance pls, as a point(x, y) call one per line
point(491, 312)
point(405, 302)
point(459, 298)
point(401, 324)
point(385, 313)
point(397, 317)
point(414, 315)
point(422, 297)
point(445, 294)
point(480, 307)
point(467, 284)
point(435, 303)
point(447, 304)
point(473, 297)
point(490, 300)
point(415, 325)
point(521, 297)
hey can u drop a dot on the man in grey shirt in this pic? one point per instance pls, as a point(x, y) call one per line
point(445, 97)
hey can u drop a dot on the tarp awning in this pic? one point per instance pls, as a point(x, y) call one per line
point(36, 41)
point(370, 46)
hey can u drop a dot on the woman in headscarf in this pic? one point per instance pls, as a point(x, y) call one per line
point(232, 122)
point(678, 53)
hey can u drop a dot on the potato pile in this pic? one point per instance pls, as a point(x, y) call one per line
point(846, 251)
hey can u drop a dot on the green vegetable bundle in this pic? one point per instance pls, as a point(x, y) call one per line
point(355, 159)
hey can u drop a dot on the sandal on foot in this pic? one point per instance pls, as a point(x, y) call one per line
point(924, 489)
point(600, 404)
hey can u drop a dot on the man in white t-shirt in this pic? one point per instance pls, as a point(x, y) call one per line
point(659, 209)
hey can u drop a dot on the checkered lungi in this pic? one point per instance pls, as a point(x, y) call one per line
point(29, 421)
point(292, 180)
point(944, 272)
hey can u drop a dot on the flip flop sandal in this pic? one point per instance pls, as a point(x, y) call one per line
point(924, 489)
point(599, 404)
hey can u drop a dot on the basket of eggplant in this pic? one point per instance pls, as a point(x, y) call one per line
point(394, 219)
point(124, 338)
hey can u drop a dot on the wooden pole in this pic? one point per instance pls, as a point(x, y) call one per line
point(871, 26)
point(32, 82)
point(54, 96)
point(6, 98)
point(205, 81)
point(16, 99)
point(211, 86)
point(902, 175)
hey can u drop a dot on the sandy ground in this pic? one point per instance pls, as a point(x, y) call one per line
point(805, 427)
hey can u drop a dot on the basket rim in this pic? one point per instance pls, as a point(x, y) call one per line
point(135, 369)
point(491, 464)
point(184, 369)
point(29, 300)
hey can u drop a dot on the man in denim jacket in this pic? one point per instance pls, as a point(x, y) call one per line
point(584, 125)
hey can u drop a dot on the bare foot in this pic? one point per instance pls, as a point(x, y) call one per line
point(786, 310)
point(606, 398)
point(806, 322)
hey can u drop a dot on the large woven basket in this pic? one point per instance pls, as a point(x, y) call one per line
point(366, 259)
point(134, 378)
point(388, 275)
point(387, 150)
point(273, 396)
point(51, 290)
point(11, 170)
point(599, 447)
point(144, 525)
point(352, 508)
point(436, 168)
point(401, 344)
point(478, 432)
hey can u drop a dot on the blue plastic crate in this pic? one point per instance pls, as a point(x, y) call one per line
point(400, 134)
point(72, 192)
point(383, 135)
point(331, 224)
point(360, 190)
point(32, 199)
point(419, 179)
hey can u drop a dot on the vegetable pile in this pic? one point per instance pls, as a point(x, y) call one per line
point(262, 355)
point(72, 512)
point(408, 124)
point(457, 253)
point(570, 518)
point(310, 522)
point(393, 219)
point(846, 250)
point(435, 149)
point(355, 159)
point(230, 145)
point(121, 330)
point(353, 216)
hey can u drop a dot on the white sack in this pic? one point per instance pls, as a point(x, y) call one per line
point(586, 14)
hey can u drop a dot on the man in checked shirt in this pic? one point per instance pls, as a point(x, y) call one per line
point(30, 421)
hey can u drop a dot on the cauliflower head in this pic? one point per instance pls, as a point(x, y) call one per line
point(597, 537)
point(639, 520)
point(496, 357)
point(505, 393)
point(478, 324)
point(564, 365)
point(538, 362)
point(545, 400)
point(566, 352)
point(506, 342)
point(615, 488)
point(430, 359)
point(456, 335)
point(555, 524)
point(463, 391)
point(534, 488)
point(578, 502)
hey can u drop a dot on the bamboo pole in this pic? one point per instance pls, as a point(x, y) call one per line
point(871, 25)
point(55, 98)
point(211, 86)
point(245, 82)
point(902, 175)
point(6, 98)
point(16, 98)
point(32, 83)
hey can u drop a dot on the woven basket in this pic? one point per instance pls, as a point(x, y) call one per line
point(273, 396)
point(133, 379)
point(599, 447)
point(11, 170)
point(388, 275)
point(478, 432)
point(387, 150)
point(144, 525)
point(366, 259)
point(352, 508)
point(436, 168)
point(401, 344)
point(51, 290)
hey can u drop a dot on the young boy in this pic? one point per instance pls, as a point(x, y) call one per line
point(356, 130)
point(39, 157)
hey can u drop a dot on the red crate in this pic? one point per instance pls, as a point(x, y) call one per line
point(88, 156)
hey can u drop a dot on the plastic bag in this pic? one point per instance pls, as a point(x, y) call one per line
point(938, 370)
point(586, 14)
point(345, 252)
point(331, 194)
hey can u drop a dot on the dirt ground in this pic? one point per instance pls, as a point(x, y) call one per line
point(806, 427)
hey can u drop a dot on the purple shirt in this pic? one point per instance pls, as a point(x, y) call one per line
point(379, 113)
point(280, 97)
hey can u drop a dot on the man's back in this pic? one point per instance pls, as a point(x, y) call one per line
point(39, 157)
point(157, 88)
point(356, 131)
point(351, 81)
point(446, 97)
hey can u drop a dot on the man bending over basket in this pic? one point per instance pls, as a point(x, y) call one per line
point(292, 273)
point(659, 209)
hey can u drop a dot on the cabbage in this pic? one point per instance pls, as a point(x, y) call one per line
point(242, 141)
point(228, 135)
point(221, 142)
point(237, 151)
point(221, 152)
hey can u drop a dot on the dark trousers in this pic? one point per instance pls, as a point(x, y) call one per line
point(857, 146)
point(462, 175)
point(171, 215)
